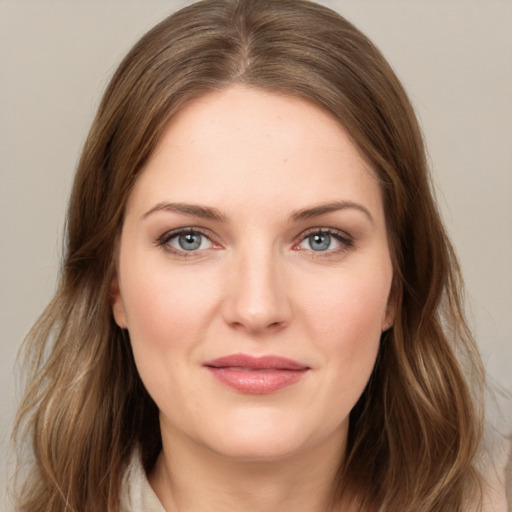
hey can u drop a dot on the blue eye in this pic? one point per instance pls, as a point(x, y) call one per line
point(188, 241)
point(319, 241)
point(325, 240)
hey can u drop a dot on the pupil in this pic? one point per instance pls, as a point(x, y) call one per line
point(190, 241)
point(320, 241)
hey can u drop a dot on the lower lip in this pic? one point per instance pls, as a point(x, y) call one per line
point(257, 382)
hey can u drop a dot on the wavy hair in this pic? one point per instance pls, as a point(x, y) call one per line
point(415, 431)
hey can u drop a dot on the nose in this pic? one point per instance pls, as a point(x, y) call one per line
point(257, 297)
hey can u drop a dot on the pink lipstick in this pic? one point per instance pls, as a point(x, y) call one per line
point(256, 375)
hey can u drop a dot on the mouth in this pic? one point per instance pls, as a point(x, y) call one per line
point(256, 375)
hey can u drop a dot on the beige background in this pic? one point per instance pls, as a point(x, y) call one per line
point(454, 57)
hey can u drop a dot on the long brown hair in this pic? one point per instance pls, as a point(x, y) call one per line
point(415, 431)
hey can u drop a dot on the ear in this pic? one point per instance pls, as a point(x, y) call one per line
point(391, 308)
point(117, 304)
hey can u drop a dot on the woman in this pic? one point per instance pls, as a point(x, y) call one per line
point(259, 308)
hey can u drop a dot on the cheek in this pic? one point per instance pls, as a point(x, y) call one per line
point(169, 312)
point(351, 309)
point(346, 321)
point(165, 316)
point(163, 304)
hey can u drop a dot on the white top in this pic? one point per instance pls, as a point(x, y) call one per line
point(136, 493)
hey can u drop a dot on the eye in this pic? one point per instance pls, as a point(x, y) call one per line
point(185, 240)
point(319, 241)
point(325, 240)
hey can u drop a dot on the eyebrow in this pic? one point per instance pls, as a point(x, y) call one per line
point(323, 209)
point(207, 212)
point(203, 212)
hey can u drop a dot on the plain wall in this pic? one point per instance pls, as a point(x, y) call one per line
point(454, 57)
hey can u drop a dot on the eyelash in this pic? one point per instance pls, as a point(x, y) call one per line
point(164, 240)
point(346, 241)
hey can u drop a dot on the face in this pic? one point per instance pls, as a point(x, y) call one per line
point(254, 276)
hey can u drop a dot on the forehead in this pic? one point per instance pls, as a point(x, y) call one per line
point(246, 144)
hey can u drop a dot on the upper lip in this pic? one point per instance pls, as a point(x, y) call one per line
point(269, 362)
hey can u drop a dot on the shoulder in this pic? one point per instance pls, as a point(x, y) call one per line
point(497, 473)
point(136, 492)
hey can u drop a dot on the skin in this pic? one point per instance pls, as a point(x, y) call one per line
point(256, 285)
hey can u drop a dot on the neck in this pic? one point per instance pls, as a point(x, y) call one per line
point(190, 477)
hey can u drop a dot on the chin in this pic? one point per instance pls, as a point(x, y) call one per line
point(268, 440)
point(261, 449)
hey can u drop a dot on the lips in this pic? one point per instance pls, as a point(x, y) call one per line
point(256, 375)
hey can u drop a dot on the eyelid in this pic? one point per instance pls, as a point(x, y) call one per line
point(343, 237)
point(163, 240)
point(347, 241)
